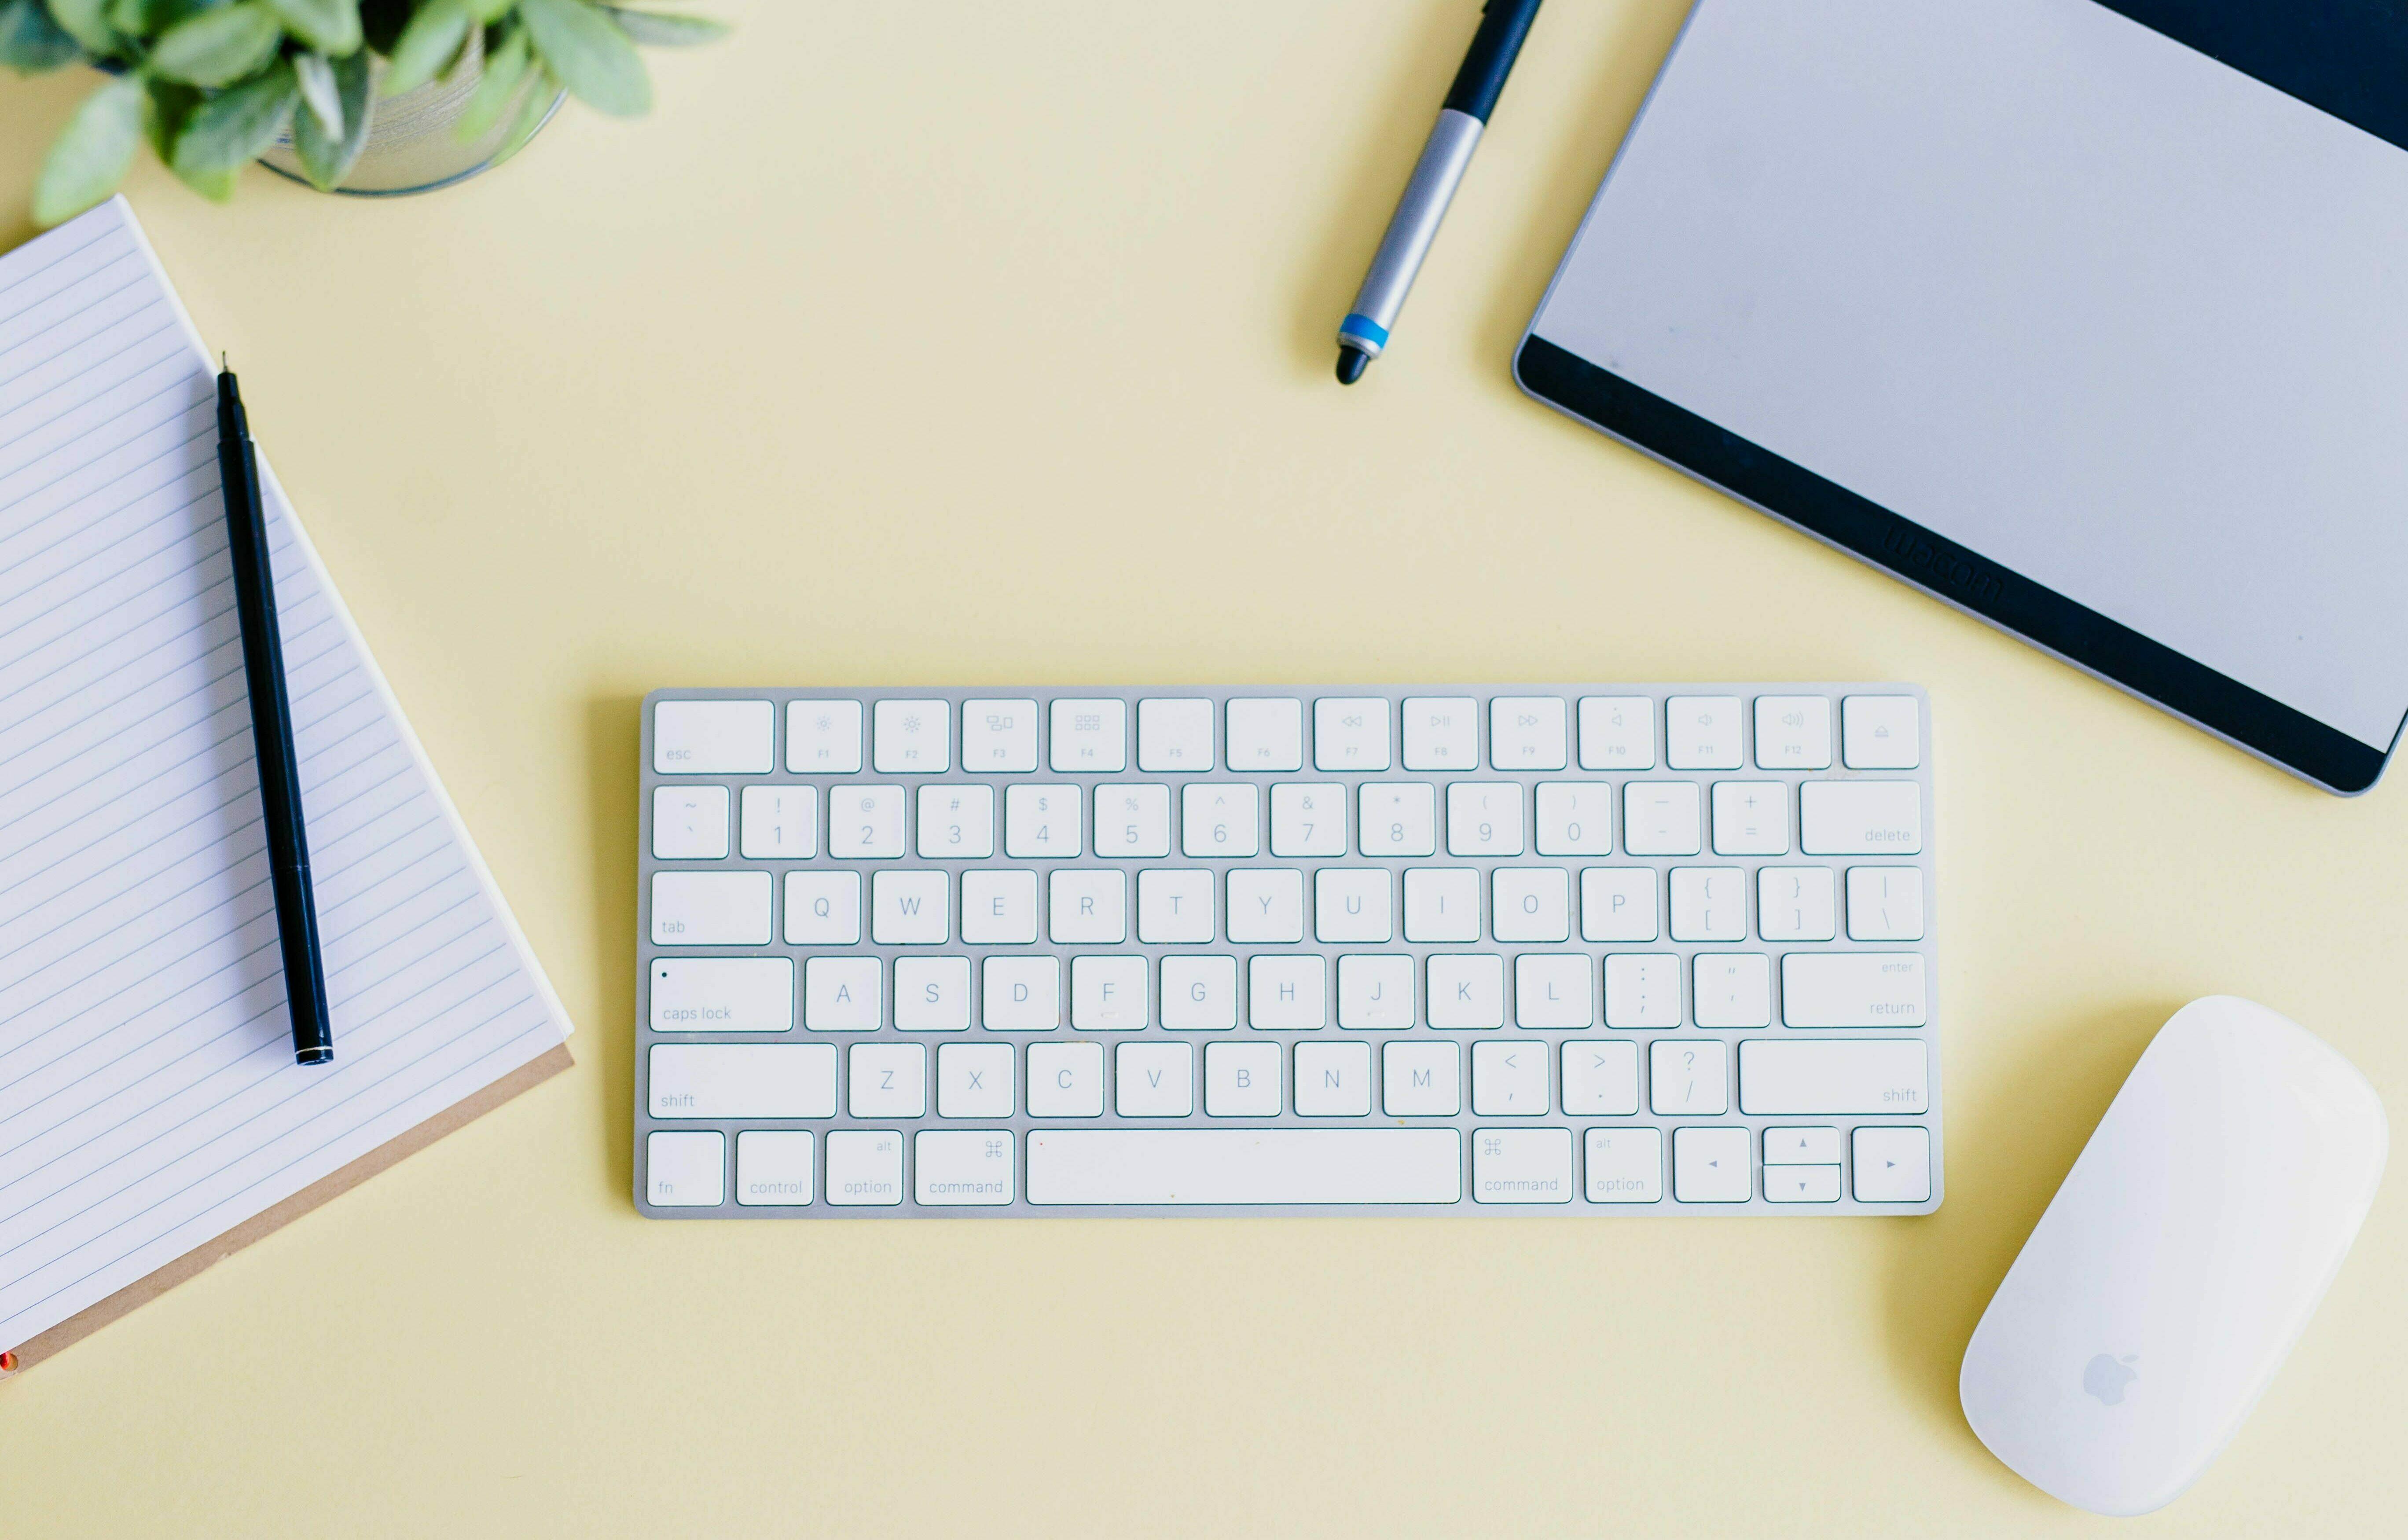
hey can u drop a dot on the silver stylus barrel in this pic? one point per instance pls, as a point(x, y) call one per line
point(1410, 231)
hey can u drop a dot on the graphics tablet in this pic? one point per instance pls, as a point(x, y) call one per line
point(2089, 318)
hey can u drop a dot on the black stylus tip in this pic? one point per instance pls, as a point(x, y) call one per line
point(1352, 361)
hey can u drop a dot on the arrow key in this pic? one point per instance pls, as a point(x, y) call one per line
point(1712, 1165)
point(1801, 1184)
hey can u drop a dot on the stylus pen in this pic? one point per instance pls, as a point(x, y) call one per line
point(271, 732)
point(1364, 334)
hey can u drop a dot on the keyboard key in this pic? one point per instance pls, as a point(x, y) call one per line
point(1618, 903)
point(910, 737)
point(1800, 1145)
point(685, 1170)
point(1793, 731)
point(1420, 1080)
point(1353, 904)
point(690, 822)
point(1132, 820)
point(1171, 1167)
point(865, 822)
point(1174, 737)
point(1242, 1080)
point(1794, 904)
point(1709, 903)
point(1702, 733)
point(1617, 733)
point(1688, 1076)
point(957, 822)
point(1600, 1077)
point(1643, 990)
point(1553, 992)
point(1575, 818)
point(865, 1169)
point(1884, 903)
point(1217, 820)
point(1065, 1079)
point(1808, 1184)
point(1531, 904)
point(910, 909)
point(1087, 907)
point(842, 994)
point(1021, 994)
point(710, 908)
point(1467, 992)
point(1441, 904)
point(1398, 819)
point(824, 738)
point(885, 1080)
point(1265, 905)
point(723, 994)
point(1626, 1165)
point(1660, 818)
point(1881, 732)
point(1107, 993)
point(1266, 735)
point(782, 823)
point(1732, 990)
point(1751, 817)
point(1526, 733)
point(931, 994)
point(998, 737)
point(1154, 1080)
point(1508, 1079)
point(1711, 1165)
point(1484, 819)
point(1375, 993)
point(1860, 817)
point(999, 908)
point(1041, 822)
point(773, 1168)
point(743, 1081)
point(973, 1079)
point(1350, 734)
point(1090, 738)
point(1174, 907)
point(1199, 994)
point(712, 738)
point(1441, 733)
point(1893, 1165)
point(1287, 993)
point(953, 1168)
point(1333, 1079)
point(1853, 990)
point(1308, 818)
point(1842, 1075)
point(1522, 1165)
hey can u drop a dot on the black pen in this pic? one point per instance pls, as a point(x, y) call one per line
point(271, 732)
point(1364, 334)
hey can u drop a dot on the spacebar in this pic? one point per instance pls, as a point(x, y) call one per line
point(1245, 1165)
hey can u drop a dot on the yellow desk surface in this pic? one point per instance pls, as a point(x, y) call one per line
point(958, 342)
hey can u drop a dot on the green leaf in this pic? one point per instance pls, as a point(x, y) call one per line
point(534, 108)
point(651, 26)
point(30, 41)
point(328, 158)
point(505, 67)
point(319, 94)
point(590, 54)
point(84, 21)
point(487, 12)
point(90, 157)
point(434, 35)
point(330, 26)
point(171, 106)
point(219, 47)
point(233, 127)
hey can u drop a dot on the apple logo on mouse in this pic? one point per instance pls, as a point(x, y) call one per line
point(2106, 1375)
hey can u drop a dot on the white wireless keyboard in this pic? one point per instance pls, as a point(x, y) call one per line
point(1532, 948)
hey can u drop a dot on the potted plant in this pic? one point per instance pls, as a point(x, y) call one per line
point(213, 84)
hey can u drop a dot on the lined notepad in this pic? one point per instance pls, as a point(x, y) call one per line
point(149, 1101)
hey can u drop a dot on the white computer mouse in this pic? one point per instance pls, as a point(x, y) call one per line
point(2174, 1270)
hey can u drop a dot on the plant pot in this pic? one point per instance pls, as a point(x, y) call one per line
point(413, 143)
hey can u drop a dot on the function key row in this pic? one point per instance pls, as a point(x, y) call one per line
point(1177, 736)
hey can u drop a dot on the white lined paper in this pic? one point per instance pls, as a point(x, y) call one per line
point(149, 1101)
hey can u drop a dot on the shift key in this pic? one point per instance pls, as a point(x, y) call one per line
point(1853, 990)
point(1783, 1076)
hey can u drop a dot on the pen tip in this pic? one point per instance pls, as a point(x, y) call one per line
point(1352, 361)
